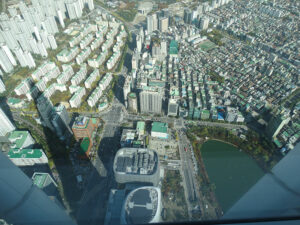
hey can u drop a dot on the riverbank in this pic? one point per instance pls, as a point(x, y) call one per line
point(215, 139)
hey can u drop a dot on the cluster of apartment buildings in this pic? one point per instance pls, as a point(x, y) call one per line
point(234, 81)
point(35, 85)
point(21, 146)
point(90, 38)
point(30, 29)
point(98, 91)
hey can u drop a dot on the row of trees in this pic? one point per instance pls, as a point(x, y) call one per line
point(171, 182)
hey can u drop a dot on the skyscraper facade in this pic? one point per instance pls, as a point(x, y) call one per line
point(45, 108)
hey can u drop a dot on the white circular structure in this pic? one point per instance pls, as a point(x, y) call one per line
point(142, 205)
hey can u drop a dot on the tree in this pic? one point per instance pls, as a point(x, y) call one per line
point(266, 158)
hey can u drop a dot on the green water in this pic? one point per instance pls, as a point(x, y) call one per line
point(232, 171)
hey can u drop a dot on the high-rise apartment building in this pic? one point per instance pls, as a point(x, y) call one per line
point(164, 48)
point(60, 121)
point(8, 54)
point(155, 22)
point(45, 108)
point(139, 43)
point(132, 102)
point(151, 101)
point(150, 24)
point(156, 53)
point(203, 23)
point(187, 17)
point(163, 24)
point(2, 86)
point(5, 62)
point(127, 87)
point(6, 125)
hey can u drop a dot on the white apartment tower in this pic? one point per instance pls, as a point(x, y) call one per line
point(150, 102)
point(163, 24)
point(6, 124)
point(2, 86)
point(8, 54)
point(204, 22)
point(150, 24)
point(155, 22)
point(5, 62)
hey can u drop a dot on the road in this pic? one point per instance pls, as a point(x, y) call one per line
point(190, 182)
point(182, 122)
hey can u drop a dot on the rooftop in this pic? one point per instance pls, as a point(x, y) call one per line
point(132, 95)
point(140, 125)
point(136, 161)
point(18, 138)
point(173, 47)
point(142, 206)
point(84, 145)
point(25, 153)
point(81, 122)
point(45, 182)
point(159, 127)
point(42, 179)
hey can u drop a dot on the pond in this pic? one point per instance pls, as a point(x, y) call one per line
point(231, 170)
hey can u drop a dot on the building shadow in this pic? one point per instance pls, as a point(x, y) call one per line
point(64, 167)
point(85, 198)
point(118, 88)
point(127, 61)
point(132, 43)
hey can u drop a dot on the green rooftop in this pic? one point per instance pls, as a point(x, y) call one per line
point(204, 111)
point(94, 120)
point(277, 143)
point(173, 50)
point(159, 127)
point(102, 104)
point(140, 125)
point(13, 101)
point(39, 179)
point(84, 146)
point(25, 153)
point(157, 83)
point(132, 95)
point(18, 138)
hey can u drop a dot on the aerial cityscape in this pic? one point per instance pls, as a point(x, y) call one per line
point(132, 112)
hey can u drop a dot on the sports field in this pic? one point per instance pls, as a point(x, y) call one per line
point(207, 45)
